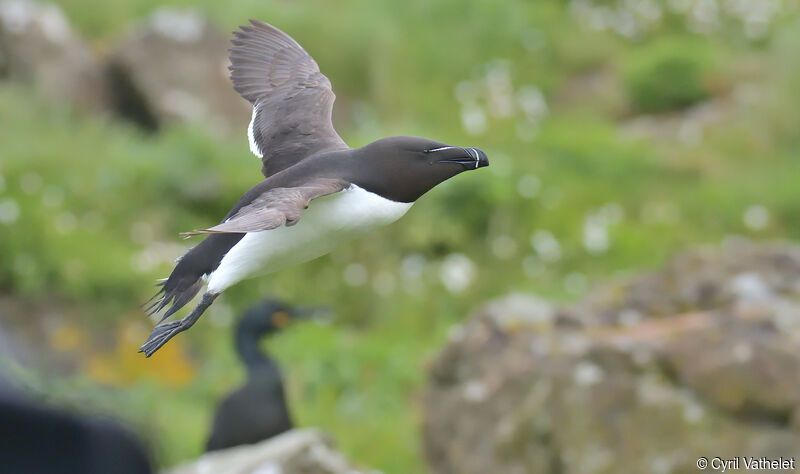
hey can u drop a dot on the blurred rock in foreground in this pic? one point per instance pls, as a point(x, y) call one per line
point(305, 451)
point(699, 359)
point(172, 67)
point(38, 47)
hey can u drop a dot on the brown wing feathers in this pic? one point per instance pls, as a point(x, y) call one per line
point(264, 58)
point(293, 100)
point(275, 207)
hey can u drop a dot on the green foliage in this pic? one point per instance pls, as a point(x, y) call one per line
point(669, 74)
point(99, 204)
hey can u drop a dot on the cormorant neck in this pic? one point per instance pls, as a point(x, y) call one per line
point(250, 353)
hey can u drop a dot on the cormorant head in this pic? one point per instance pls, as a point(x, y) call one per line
point(271, 315)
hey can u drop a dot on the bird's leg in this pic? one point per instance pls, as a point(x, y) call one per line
point(164, 332)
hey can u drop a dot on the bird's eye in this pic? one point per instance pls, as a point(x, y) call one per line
point(427, 150)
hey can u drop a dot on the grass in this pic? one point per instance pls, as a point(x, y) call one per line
point(361, 378)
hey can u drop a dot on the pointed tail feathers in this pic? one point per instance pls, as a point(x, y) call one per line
point(175, 290)
point(186, 278)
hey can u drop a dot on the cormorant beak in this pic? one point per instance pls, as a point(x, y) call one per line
point(321, 313)
point(469, 157)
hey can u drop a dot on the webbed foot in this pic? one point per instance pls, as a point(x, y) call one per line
point(164, 332)
point(160, 335)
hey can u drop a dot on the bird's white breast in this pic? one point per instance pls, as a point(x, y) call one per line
point(328, 222)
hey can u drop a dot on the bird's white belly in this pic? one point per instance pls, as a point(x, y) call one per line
point(328, 222)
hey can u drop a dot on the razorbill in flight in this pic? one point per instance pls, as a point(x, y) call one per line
point(354, 190)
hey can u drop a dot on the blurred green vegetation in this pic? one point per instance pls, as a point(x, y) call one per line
point(576, 194)
point(669, 74)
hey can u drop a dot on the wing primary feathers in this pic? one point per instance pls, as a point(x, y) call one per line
point(295, 100)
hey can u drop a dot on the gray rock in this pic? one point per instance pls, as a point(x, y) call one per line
point(305, 451)
point(705, 278)
point(172, 67)
point(704, 362)
point(39, 48)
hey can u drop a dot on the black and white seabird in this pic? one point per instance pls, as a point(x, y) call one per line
point(257, 410)
point(303, 159)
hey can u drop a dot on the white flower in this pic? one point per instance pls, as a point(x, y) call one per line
point(546, 246)
point(355, 274)
point(756, 217)
point(457, 272)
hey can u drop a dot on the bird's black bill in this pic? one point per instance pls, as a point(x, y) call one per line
point(473, 158)
point(312, 312)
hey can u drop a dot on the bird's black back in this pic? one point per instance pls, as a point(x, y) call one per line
point(253, 413)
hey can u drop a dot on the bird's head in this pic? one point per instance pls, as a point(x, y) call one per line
point(272, 315)
point(404, 168)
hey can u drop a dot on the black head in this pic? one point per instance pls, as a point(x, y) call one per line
point(270, 316)
point(404, 168)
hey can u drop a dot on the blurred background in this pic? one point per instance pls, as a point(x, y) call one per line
point(619, 133)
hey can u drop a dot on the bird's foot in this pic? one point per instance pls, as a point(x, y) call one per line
point(160, 335)
point(164, 332)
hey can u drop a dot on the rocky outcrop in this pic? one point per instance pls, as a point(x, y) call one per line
point(305, 451)
point(38, 47)
point(699, 359)
point(172, 67)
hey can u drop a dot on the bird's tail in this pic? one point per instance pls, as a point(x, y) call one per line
point(178, 290)
point(187, 278)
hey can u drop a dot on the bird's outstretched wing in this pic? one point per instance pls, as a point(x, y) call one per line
point(292, 100)
point(275, 207)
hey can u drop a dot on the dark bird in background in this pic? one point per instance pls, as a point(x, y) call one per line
point(303, 159)
point(257, 410)
point(35, 438)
